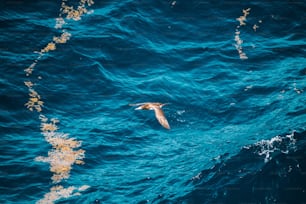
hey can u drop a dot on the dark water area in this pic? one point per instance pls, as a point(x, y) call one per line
point(244, 178)
point(232, 73)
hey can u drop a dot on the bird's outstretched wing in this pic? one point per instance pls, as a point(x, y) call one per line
point(159, 114)
point(153, 103)
point(137, 104)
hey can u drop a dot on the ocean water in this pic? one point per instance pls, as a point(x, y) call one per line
point(233, 74)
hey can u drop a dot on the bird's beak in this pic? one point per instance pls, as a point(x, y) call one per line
point(138, 108)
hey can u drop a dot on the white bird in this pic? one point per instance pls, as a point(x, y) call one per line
point(159, 114)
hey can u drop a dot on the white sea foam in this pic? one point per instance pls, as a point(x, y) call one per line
point(283, 144)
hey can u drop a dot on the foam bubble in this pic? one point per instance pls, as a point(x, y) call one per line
point(282, 144)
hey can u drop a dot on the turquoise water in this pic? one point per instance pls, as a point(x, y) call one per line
point(235, 90)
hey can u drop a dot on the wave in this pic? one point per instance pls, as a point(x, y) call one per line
point(269, 171)
point(86, 72)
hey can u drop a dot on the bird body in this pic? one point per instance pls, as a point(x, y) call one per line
point(157, 107)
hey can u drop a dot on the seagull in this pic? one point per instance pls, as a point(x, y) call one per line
point(159, 114)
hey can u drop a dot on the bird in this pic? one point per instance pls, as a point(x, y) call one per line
point(159, 114)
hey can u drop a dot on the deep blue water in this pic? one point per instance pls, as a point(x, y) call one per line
point(237, 125)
